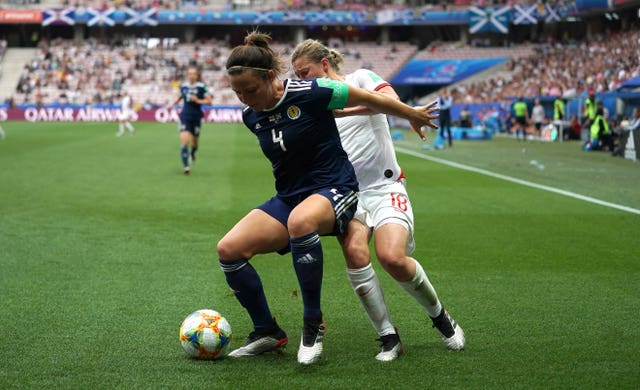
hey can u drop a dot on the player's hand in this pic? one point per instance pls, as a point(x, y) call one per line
point(425, 117)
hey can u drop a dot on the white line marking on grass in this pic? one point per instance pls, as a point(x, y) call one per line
point(518, 181)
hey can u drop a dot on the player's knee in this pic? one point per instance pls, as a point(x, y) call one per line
point(391, 259)
point(229, 250)
point(224, 250)
point(356, 256)
point(300, 225)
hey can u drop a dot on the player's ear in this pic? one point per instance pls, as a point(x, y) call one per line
point(325, 65)
point(272, 75)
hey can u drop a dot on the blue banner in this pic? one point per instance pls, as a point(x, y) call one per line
point(152, 17)
point(486, 19)
point(441, 72)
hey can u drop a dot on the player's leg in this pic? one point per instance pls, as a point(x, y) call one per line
point(317, 215)
point(194, 142)
point(128, 124)
point(258, 232)
point(390, 244)
point(393, 235)
point(120, 128)
point(126, 121)
point(185, 139)
point(366, 285)
point(448, 126)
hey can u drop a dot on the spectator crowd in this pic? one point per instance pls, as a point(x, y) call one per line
point(94, 72)
point(561, 69)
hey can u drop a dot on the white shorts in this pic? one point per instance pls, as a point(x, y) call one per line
point(125, 115)
point(387, 204)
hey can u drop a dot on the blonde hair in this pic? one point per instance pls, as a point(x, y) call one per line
point(315, 51)
point(256, 55)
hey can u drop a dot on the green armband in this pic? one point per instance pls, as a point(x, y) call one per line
point(340, 93)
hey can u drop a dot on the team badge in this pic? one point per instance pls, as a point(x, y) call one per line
point(293, 112)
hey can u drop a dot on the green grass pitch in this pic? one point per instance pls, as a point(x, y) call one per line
point(105, 247)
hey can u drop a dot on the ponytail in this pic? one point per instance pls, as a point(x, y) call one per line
point(256, 55)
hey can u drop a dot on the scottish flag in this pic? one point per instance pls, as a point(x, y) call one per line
point(490, 19)
point(53, 17)
point(523, 14)
point(551, 14)
point(101, 18)
point(141, 18)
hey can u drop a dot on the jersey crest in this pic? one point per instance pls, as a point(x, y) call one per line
point(293, 112)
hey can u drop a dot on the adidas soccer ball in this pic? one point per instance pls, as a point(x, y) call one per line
point(205, 334)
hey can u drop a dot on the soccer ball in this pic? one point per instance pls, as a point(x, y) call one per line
point(205, 334)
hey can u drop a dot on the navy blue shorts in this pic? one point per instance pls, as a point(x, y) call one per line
point(192, 126)
point(343, 200)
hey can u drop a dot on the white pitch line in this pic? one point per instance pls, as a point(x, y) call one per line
point(519, 181)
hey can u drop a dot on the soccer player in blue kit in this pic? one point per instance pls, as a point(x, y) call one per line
point(194, 93)
point(315, 185)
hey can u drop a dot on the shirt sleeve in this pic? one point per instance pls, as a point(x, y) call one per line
point(339, 92)
point(369, 80)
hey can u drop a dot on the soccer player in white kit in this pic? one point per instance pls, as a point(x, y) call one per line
point(384, 209)
point(126, 112)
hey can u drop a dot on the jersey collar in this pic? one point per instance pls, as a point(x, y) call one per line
point(284, 95)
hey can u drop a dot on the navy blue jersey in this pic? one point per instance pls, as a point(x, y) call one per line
point(192, 110)
point(300, 138)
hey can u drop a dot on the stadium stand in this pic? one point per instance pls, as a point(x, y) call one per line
point(548, 69)
point(59, 73)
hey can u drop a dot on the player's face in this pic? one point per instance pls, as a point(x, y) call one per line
point(192, 75)
point(253, 91)
point(306, 69)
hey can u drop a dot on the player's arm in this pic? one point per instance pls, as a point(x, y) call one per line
point(385, 104)
point(207, 98)
point(364, 110)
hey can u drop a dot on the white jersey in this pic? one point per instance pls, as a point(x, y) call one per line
point(125, 103)
point(125, 108)
point(537, 114)
point(367, 140)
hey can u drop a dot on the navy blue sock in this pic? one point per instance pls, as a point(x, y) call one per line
point(184, 154)
point(194, 149)
point(245, 282)
point(307, 262)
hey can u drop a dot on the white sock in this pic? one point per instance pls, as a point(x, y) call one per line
point(366, 285)
point(120, 128)
point(131, 129)
point(421, 290)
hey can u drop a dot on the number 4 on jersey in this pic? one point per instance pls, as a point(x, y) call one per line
point(278, 139)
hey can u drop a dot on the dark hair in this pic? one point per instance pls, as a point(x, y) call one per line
point(316, 51)
point(256, 55)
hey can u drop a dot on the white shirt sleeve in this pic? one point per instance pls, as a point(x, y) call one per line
point(367, 79)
